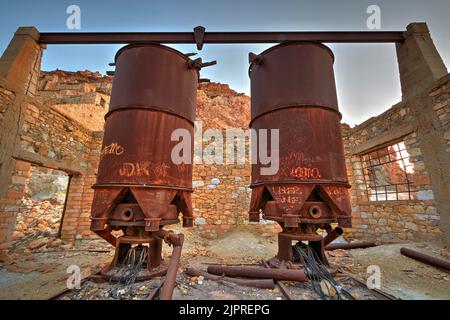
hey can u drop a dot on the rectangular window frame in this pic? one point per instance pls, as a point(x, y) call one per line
point(389, 192)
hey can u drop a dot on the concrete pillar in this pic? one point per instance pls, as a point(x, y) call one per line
point(421, 67)
point(21, 61)
point(19, 75)
point(419, 61)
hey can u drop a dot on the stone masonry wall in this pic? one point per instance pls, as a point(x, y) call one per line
point(55, 120)
point(221, 196)
point(390, 220)
point(52, 135)
point(81, 96)
point(77, 216)
point(221, 192)
point(441, 99)
point(50, 139)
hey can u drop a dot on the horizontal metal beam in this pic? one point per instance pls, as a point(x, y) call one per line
point(221, 37)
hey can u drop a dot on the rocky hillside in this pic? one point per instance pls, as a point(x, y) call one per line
point(84, 97)
point(218, 106)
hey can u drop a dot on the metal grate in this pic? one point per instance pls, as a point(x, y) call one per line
point(388, 173)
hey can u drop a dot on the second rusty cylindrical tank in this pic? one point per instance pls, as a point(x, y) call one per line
point(139, 188)
point(293, 90)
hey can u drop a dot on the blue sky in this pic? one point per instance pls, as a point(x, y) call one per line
point(366, 74)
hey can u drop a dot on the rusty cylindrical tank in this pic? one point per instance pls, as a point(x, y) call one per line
point(139, 188)
point(293, 90)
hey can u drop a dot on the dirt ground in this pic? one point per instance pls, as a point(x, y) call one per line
point(41, 275)
point(401, 276)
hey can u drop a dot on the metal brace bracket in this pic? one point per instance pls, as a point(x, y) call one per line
point(199, 36)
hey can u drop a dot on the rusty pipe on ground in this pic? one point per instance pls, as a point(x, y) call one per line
point(256, 283)
point(432, 261)
point(155, 292)
point(349, 246)
point(333, 235)
point(258, 272)
point(171, 276)
point(283, 289)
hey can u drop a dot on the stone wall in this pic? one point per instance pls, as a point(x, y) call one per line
point(49, 139)
point(47, 134)
point(440, 96)
point(390, 220)
point(221, 192)
point(82, 96)
point(10, 204)
point(55, 120)
point(221, 196)
point(35, 131)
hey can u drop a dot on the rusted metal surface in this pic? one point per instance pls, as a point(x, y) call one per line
point(138, 185)
point(153, 267)
point(315, 241)
point(293, 90)
point(255, 283)
point(432, 261)
point(293, 75)
point(199, 37)
point(139, 188)
point(379, 293)
point(154, 293)
point(332, 235)
point(154, 77)
point(283, 288)
point(259, 272)
point(176, 240)
point(349, 246)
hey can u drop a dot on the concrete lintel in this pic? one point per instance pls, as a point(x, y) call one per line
point(391, 135)
point(41, 161)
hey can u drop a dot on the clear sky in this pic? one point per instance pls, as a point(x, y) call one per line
point(366, 75)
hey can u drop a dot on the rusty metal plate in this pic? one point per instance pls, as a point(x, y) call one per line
point(294, 91)
point(293, 75)
point(138, 184)
point(311, 148)
point(156, 77)
point(290, 198)
point(137, 150)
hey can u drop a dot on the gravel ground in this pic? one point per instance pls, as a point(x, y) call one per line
point(42, 274)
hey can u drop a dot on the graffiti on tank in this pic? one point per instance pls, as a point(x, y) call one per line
point(279, 190)
point(300, 159)
point(160, 170)
point(289, 196)
point(306, 173)
point(338, 193)
point(139, 169)
point(181, 168)
point(113, 149)
point(289, 199)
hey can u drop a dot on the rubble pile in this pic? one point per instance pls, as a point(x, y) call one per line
point(37, 225)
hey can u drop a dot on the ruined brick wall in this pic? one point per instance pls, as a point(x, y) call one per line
point(46, 133)
point(82, 96)
point(76, 219)
point(390, 220)
point(221, 196)
point(53, 133)
point(35, 130)
point(221, 192)
point(9, 206)
point(440, 96)
point(57, 134)
point(50, 139)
